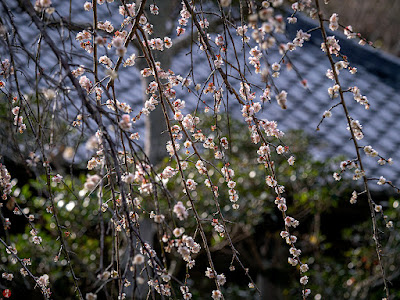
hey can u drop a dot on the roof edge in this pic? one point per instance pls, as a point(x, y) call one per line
point(384, 65)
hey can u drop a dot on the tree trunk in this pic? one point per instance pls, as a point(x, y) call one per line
point(155, 124)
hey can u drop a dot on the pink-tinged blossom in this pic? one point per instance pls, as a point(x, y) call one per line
point(83, 35)
point(106, 26)
point(281, 98)
point(306, 292)
point(304, 268)
point(57, 178)
point(337, 176)
point(348, 31)
point(125, 122)
point(300, 38)
point(167, 42)
point(36, 240)
point(210, 273)
point(106, 61)
point(370, 152)
point(138, 259)
point(221, 279)
point(358, 174)
point(146, 188)
point(180, 30)
point(292, 261)
point(357, 129)
point(333, 22)
point(241, 30)
point(87, 6)
point(353, 198)
point(7, 276)
point(85, 83)
point(304, 280)
point(130, 61)
point(276, 67)
point(332, 44)
point(43, 281)
point(154, 9)
point(131, 9)
point(91, 296)
point(280, 149)
point(381, 181)
point(266, 96)
point(204, 23)
point(42, 4)
point(91, 182)
point(128, 178)
point(291, 222)
point(327, 114)
point(225, 3)
point(180, 211)
point(178, 231)
point(191, 184)
point(218, 62)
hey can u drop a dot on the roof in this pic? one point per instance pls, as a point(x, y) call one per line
point(378, 77)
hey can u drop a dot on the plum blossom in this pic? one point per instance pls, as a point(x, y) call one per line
point(180, 211)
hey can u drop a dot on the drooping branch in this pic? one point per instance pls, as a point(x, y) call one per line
point(357, 150)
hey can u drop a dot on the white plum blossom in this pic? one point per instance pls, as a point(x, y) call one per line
point(381, 181)
point(304, 280)
point(334, 22)
point(281, 98)
point(180, 211)
point(57, 178)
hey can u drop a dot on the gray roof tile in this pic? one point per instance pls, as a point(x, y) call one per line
point(378, 77)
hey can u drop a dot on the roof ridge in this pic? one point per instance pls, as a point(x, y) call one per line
point(384, 65)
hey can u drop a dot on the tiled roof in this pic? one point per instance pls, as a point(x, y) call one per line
point(378, 77)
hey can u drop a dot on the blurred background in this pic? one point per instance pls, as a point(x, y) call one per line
point(377, 20)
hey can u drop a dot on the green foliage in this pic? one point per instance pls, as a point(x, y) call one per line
point(311, 192)
point(78, 220)
point(321, 205)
